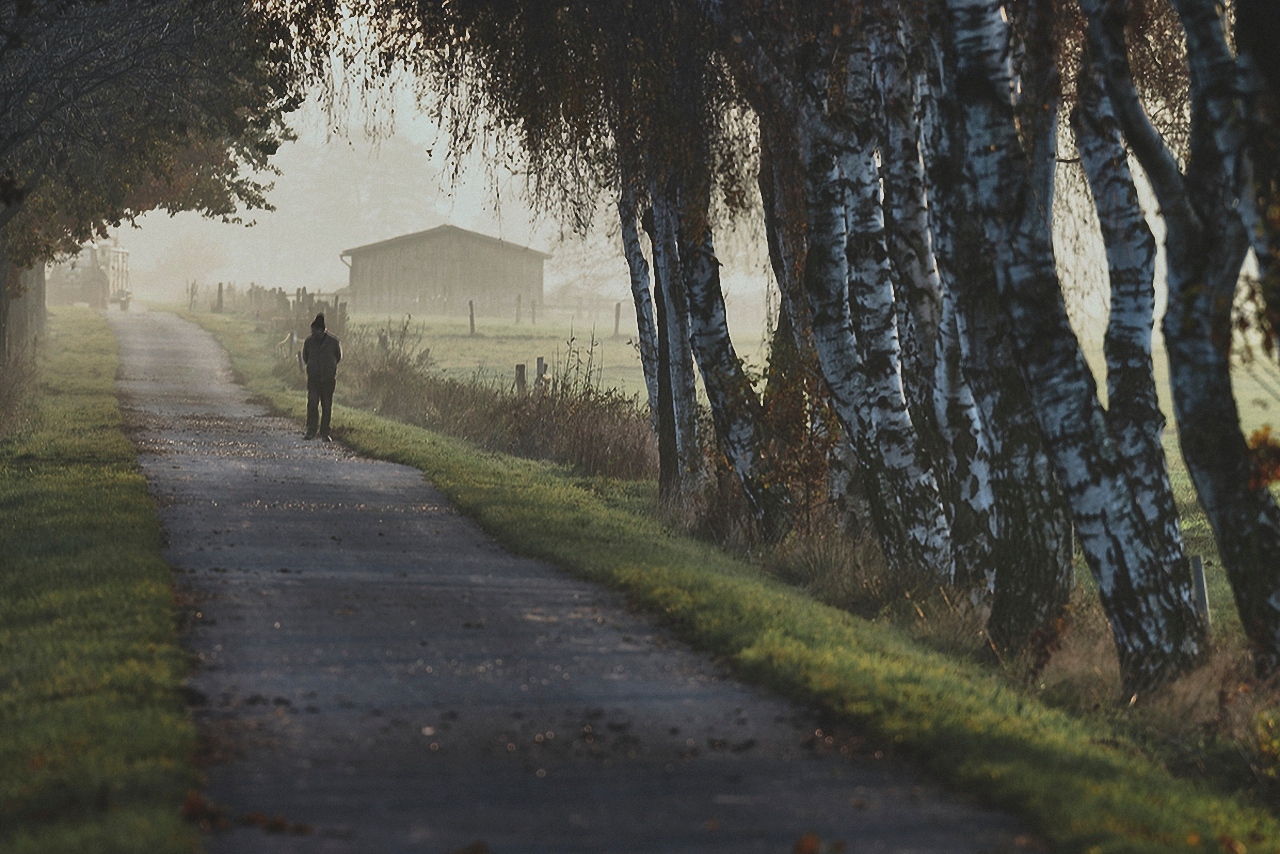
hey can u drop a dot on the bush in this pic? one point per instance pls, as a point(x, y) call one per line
point(566, 417)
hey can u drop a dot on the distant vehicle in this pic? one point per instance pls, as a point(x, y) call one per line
point(97, 275)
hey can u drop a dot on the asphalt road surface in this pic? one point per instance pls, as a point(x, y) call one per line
point(377, 676)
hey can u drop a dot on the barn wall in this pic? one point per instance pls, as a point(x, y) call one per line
point(441, 274)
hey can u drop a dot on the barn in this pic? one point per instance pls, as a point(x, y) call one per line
point(441, 270)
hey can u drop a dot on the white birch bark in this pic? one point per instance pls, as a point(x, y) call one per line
point(638, 267)
point(684, 395)
point(782, 197)
point(1031, 550)
point(1204, 244)
point(826, 279)
point(1133, 409)
point(968, 448)
point(1156, 635)
point(902, 491)
point(782, 192)
point(1216, 82)
point(875, 333)
point(907, 227)
point(735, 408)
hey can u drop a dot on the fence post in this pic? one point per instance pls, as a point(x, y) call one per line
point(617, 318)
point(517, 309)
point(521, 387)
point(533, 312)
point(542, 371)
point(471, 309)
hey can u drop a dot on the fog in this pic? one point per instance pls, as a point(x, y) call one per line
point(341, 188)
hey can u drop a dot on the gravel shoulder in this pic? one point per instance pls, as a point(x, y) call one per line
point(378, 672)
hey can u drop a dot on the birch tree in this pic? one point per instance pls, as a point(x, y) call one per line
point(1133, 409)
point(641, 294)
point(1206, 242)
point(1148, 604)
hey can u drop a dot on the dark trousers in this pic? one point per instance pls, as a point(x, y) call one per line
point(319, 400)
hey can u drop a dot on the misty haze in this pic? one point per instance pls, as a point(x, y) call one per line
point(470, 427)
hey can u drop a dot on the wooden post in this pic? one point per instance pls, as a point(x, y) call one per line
point(471, 309)
point(521, 388)
point(617, 318)
point(517, 309)
point(219, 308)
point(1201, 588)
point(533, 312)
point(542, 371)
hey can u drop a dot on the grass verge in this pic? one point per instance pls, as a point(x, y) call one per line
point(1084, 788)
point(94, 737)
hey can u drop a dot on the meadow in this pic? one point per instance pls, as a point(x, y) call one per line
point(96, 747)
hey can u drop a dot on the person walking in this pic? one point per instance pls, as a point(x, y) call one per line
point(321, 353)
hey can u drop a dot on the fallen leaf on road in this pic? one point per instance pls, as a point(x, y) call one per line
point(276, 824)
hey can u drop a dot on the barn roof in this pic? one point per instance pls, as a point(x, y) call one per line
point(438, 232)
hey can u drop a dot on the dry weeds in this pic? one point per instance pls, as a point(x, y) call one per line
point(565, 417)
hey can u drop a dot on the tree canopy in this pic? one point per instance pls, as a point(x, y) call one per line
point(112, 109)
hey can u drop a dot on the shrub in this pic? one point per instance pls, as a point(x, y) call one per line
point(565, 417)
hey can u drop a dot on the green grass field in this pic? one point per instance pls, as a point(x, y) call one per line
point(95, 743)
point(498, 346)
point(1081, 784)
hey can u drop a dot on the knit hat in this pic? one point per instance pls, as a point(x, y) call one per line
point(318, 323)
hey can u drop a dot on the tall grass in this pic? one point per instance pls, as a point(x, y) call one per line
point(1217, 722)
point(566, 417)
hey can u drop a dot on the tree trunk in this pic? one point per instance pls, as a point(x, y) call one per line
point(826, 277)
point(1205, 242)
point(1157, 634)
point(1031, 553)
point(675, 316)
point(7, 276)
point(1246, 521)
point(781, 181)
point(908, 234)
point(640, 294)
point(1257, 31)
point(1133, 409)
point(668, 457)
point(968, 457)
point(735, 407)
point(950, 423)
point(870, 295)
point(782, 192)
point(1216, 87)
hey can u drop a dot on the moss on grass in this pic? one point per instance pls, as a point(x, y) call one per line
point(1081, 786)
point(95, 743)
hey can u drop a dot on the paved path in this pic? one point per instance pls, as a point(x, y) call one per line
point(380, 673)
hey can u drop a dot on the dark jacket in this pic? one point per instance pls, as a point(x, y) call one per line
point(321, 354)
